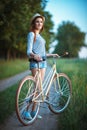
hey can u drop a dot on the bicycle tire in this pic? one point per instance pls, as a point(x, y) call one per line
point(59, 98)
point(24, 101)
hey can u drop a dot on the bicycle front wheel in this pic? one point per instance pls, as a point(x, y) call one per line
point(24, 95)
point(60, 93)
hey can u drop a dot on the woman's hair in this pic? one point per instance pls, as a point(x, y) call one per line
point(32, 29)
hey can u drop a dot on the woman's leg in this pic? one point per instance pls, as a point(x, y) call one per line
point(42, 71)
point(34, 71)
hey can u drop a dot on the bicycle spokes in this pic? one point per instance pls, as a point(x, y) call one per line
point(60, 93)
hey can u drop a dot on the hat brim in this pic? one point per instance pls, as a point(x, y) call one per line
point(43, 18)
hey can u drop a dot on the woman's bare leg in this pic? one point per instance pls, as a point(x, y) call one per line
point(42, 71)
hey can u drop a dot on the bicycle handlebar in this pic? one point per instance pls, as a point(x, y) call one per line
point(44, 58)
point(65, 54)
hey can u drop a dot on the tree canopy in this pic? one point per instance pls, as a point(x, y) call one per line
point(69, 38)
point(15, 16)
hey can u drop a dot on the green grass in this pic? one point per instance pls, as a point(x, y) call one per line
point(7, 102)
point(75, 116)
point(10, 68)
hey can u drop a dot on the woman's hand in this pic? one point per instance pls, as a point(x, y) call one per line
point(37, 57)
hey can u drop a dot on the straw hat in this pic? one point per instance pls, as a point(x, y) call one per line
point(37, 15)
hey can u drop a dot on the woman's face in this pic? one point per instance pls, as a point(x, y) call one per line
point(38, 24)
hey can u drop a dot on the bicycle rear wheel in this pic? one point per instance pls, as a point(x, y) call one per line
point(60, 93)
point(24, 95)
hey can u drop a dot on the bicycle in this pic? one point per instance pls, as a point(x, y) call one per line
point(56, 86)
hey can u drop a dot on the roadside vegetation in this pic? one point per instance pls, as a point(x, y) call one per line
point(12, 67)
point(7, 102)
point(75, 116)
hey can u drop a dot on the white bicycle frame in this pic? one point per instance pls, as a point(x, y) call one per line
point(45, 86)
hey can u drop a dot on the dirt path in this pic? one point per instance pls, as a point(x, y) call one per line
point(12, 80)
point(49, 121)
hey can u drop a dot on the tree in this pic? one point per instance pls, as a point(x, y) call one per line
point(48, 31)
point(15, 18)
point(69, 38)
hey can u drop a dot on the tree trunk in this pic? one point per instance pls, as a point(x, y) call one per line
point(8, 54)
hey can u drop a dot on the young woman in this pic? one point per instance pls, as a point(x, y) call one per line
point(36, 50)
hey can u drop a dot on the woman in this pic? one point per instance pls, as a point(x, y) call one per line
point(36, 50)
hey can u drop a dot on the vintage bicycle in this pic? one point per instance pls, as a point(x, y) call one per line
point(55, 90)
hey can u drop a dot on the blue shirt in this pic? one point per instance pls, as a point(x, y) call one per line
point(37, 47)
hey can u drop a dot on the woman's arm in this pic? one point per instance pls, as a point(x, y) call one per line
point(52, 55)
point(30, 42)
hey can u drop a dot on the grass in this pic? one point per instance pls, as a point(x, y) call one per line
point(75, 116)
point(7, 102)
point(10, 68)
point(7, 97)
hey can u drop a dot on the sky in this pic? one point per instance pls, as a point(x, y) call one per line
point(69, 10)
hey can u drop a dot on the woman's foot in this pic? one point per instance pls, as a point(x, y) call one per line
point(33, 114)
point(27, 115)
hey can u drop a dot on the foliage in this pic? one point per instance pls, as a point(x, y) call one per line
point(48, 33)
point(75, 116)
point(13, 67)
point(7, 102)
point(15, 18)
point(70, 39)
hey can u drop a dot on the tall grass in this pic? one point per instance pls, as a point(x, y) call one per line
point(10, 68)
point(75, 116)
point(7, 102)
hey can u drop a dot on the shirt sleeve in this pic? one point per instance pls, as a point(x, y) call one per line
point(30, 40)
